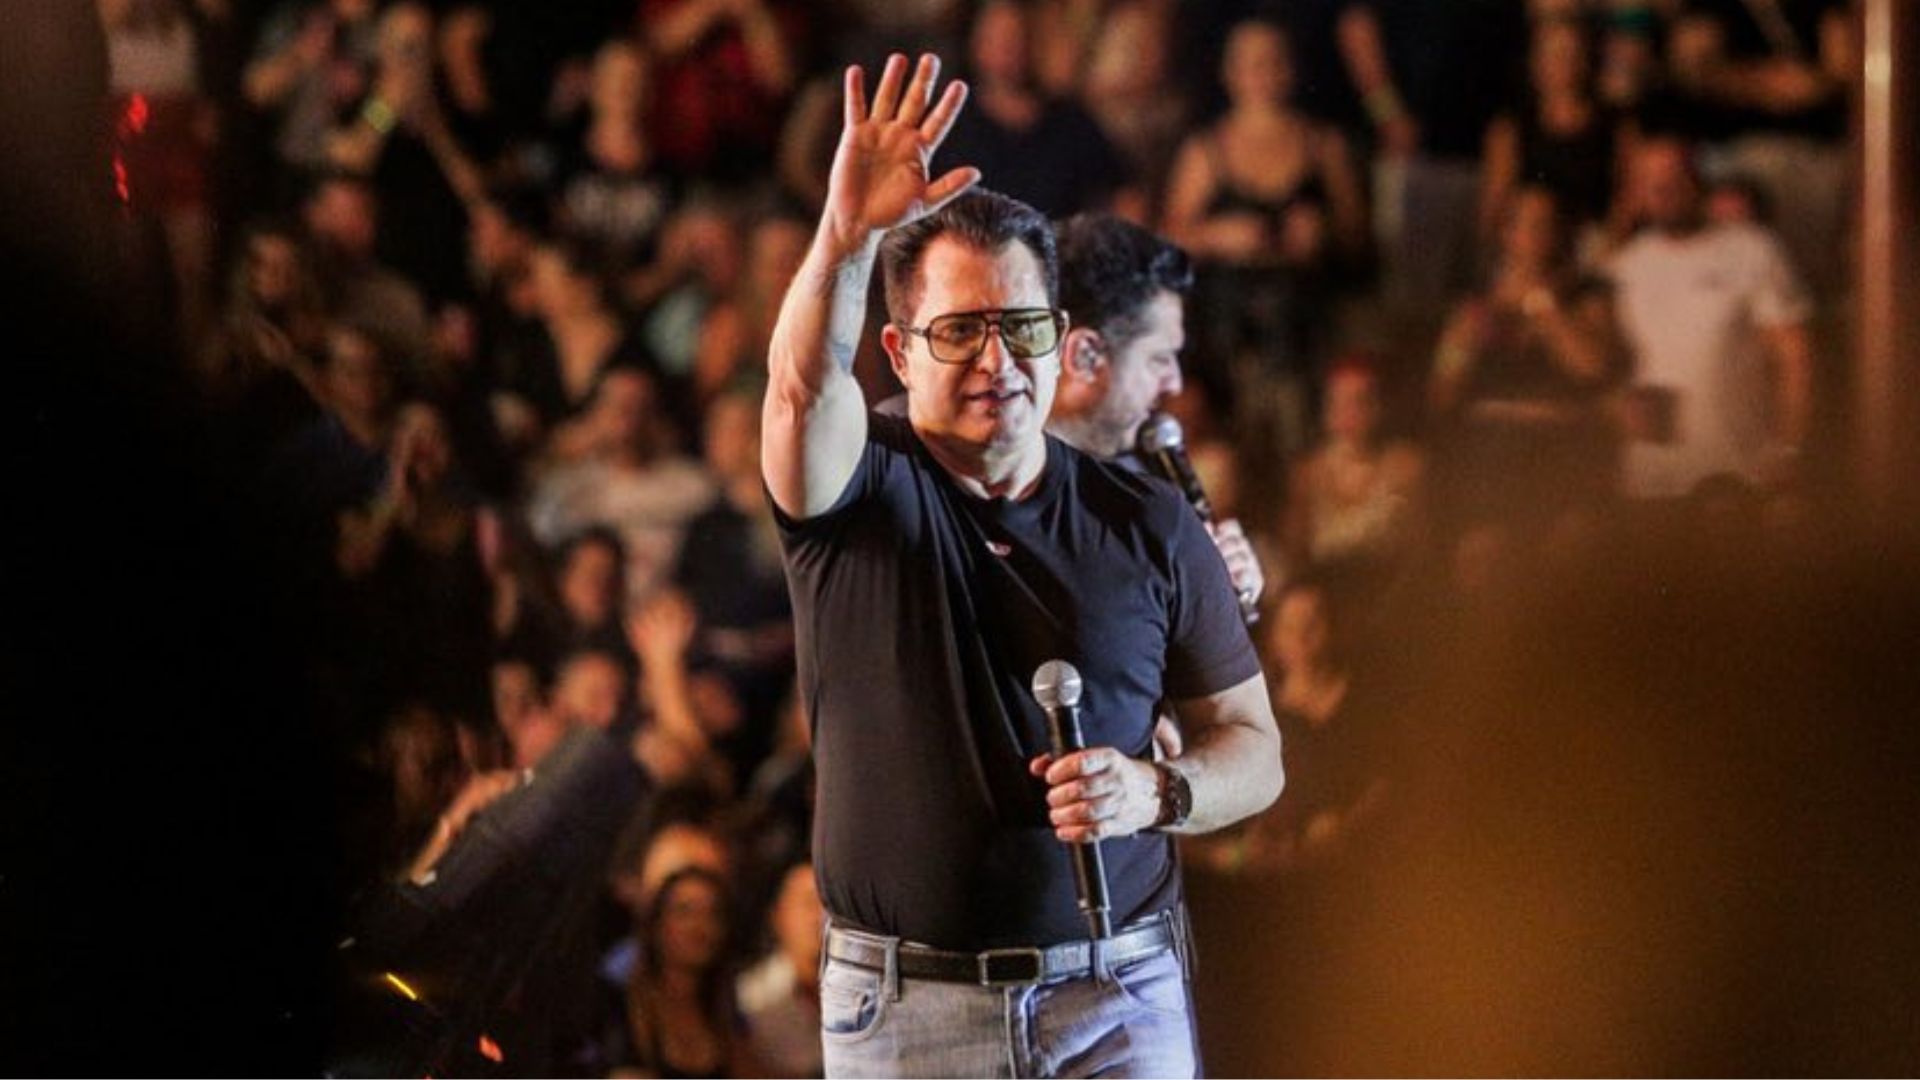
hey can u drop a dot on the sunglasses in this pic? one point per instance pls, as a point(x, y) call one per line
point(961, 337)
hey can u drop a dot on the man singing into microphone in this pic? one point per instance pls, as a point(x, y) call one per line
point(1126, 291)
point(936, 561)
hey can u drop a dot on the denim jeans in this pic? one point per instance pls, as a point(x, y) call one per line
point(1136, 1024)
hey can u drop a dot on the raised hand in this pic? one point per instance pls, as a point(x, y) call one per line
point(880, 171)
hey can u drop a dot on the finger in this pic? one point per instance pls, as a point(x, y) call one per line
point(933, 130)
point(856, 95)
point(1078, 791)
point(1077, 765)
point(886, 99)
point(920, 90)
point(1040, 764)
point(1078, 814)
point(949, 187)
point(1079, 834)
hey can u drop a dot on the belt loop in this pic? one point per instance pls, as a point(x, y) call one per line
point(1102, 968)
point(826, 949)
point(1182, 931)
point(890, 970)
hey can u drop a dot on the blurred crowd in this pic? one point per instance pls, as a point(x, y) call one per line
point(1488, 292)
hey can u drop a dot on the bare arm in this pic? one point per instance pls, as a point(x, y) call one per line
point(814, 420)
point(1231, 762)
point(1793, 381)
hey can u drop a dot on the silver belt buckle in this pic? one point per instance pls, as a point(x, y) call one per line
point(1011, 967)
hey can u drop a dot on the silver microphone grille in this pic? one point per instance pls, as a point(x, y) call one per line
point(1160, 432)
point(1056, 685)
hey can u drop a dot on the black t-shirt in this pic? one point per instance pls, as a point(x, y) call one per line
point(1455, 64)
point(922, 612)
point(1060, 166)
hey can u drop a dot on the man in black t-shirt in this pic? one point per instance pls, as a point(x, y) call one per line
point(936, 561)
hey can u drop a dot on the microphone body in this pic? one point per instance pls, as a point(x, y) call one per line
point(1164, 446)
point(1056, 685)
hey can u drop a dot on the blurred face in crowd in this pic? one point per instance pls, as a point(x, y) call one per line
point(997, 402)
point(797, 918)
point(1730, 204)
point(530, 727)
point(1257, 68)
point(424, 756)
point(342, 216)
point(999, 47)
point(1665, 185)
point(693, 924)
point(619, 84)
point(589, 583)
point(1532, 233)
point(1352, 406)
point(1558, 62)
point(624, 408)
point(590, 691)
point(1129, 54)
point(731, 436)
point(272, 269)
point(356, 378)
point(352, 10)
point(1138, 374)
point(674, 848)
point(1300, 629)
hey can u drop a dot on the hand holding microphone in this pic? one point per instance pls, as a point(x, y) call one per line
point(1164, 446)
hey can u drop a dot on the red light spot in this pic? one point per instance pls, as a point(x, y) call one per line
point(491, 1050)
point(120, 188)
point(137, 113)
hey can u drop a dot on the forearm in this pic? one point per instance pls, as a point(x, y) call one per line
point(1794, 408)
point(814, 418)
point(1235, 771)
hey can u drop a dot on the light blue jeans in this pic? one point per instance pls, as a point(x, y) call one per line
point(1136, 1024)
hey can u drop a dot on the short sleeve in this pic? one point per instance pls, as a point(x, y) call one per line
point(1210, 650)
point(884, 435)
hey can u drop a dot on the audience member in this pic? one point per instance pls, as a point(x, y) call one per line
point(1716, 316)
point(1045, 152)
point(779, 997)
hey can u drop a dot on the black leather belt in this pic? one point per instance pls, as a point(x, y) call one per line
point(1001, 967)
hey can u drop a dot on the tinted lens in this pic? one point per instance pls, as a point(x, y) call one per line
point(956, 338)
point(1029, 333)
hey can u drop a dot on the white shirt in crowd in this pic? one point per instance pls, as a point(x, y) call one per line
point(1693, 309)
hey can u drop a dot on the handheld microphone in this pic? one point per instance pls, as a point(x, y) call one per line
point(1056, 686)
point(1164, 446)
point(1162, 442)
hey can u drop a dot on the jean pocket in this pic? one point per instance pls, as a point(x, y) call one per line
point(852, 1001)
point(1154, 984)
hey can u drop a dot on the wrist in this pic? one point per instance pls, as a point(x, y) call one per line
point(1176, 797)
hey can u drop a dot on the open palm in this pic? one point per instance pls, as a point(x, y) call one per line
point(880, 171)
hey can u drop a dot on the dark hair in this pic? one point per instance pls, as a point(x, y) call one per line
point(983, 220)
point(1110, 269)
point(716, 982)
point(603, 535)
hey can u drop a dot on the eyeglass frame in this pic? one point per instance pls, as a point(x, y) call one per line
point(995, 317)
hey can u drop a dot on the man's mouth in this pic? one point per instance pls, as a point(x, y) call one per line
point(998, 395)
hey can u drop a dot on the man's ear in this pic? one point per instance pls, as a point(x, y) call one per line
point(895, 344)
point(1082, 354)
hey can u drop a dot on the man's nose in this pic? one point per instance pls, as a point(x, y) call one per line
point(993, 352)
